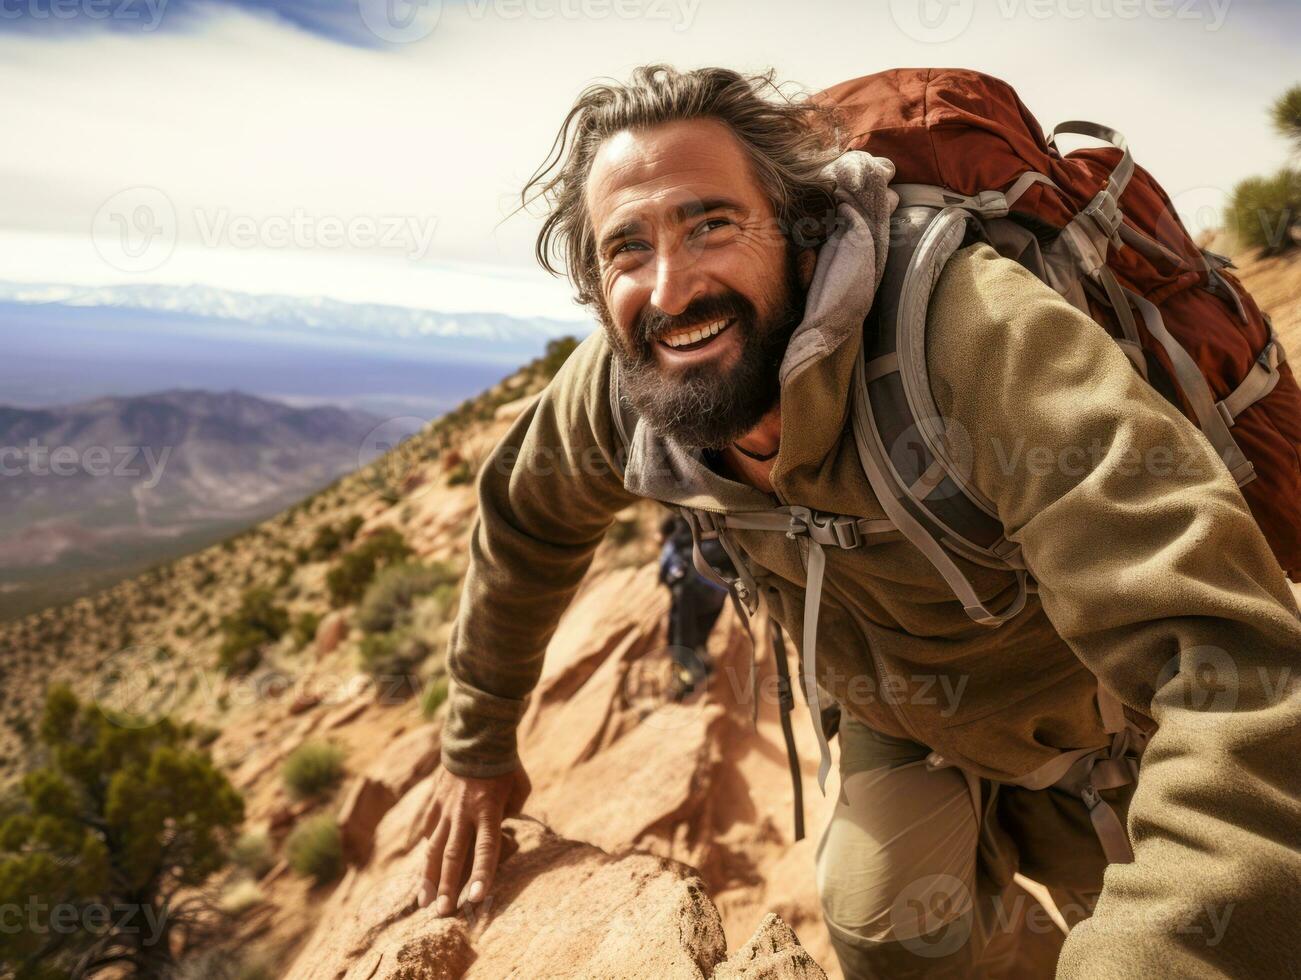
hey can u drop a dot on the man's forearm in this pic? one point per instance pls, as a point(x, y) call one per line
point(547, 494)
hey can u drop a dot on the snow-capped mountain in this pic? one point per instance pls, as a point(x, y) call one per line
point(310, 315)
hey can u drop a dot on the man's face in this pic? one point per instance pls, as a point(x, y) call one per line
point(687, 240)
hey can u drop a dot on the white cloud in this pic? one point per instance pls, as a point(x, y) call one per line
point(252, 119)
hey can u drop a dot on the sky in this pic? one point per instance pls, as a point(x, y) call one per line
point(373, 150)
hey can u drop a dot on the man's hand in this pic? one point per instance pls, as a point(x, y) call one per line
point(466, 813)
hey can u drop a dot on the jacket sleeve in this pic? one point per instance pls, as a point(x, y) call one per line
point(1152, 568)
point(547, 495)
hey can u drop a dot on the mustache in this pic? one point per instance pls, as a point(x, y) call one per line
point(704, 310)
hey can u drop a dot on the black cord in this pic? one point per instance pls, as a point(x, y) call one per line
point(762, 459)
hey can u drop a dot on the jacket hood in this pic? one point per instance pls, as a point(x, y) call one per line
point(818, 365)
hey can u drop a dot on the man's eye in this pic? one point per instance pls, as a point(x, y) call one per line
point(709, 221)
point(625, 245)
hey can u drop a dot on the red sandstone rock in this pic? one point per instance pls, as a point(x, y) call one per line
point(364, 805)
point(773, 953)
point(331, 632)
point(408, 759)
point(305, 701)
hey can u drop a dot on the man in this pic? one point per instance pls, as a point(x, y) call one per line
point(692, 214)
point(694, 606)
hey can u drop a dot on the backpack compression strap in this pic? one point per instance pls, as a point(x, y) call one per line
point(822, 530)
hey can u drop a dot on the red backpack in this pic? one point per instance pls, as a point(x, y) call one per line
point(972, 164)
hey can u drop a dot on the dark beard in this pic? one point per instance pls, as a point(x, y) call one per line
point(697, 406)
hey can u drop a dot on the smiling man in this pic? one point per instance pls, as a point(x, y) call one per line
point(734, 252)
point(701, 336)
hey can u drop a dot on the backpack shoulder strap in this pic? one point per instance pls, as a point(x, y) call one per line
point(910, 454)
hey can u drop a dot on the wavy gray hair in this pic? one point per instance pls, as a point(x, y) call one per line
point(788, 141)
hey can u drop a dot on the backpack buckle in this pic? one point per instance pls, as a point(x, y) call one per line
point(1105, 214)
point(846, 531)
point(840, 530)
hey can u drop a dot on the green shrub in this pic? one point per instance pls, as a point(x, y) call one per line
point(326, 542)
point(557, 352)
point(313, 769)
point(1286, 113)
point(390, 598)
point(623, 532)
point(348, 579)
point(285, 571)
point(257, 622)
point(348, 530)
point(434, 696)
point(127, 814)
point(241, 897)
point(252, 852)
point(460, 474)
point(393, 660)
point(305, 626)
point(315, 848)
point(1264, 208)
point(241, 650)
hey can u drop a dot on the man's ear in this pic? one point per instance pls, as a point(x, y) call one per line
point(808, 261)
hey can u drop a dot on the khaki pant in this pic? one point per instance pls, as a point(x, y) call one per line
point(915, 868)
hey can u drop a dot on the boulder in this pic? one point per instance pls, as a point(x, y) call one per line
point(304, 701)
point(773, 953)
point(408, 759)
point(558, 908)
point(331, 632)
point(364, 805)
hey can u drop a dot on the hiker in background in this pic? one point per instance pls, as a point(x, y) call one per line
point(695, 606)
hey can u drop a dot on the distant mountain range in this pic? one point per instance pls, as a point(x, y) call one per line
point(319, 316)
point(92, 490)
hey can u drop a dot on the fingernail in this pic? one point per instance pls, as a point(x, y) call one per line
point(444, 905)
point(422, 897)
point(476, 891)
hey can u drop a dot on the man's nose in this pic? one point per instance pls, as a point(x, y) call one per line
point(678, 280)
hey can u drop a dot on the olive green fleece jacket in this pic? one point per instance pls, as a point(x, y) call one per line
point(1151, 573)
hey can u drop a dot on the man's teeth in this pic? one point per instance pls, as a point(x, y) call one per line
point(680, 338)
